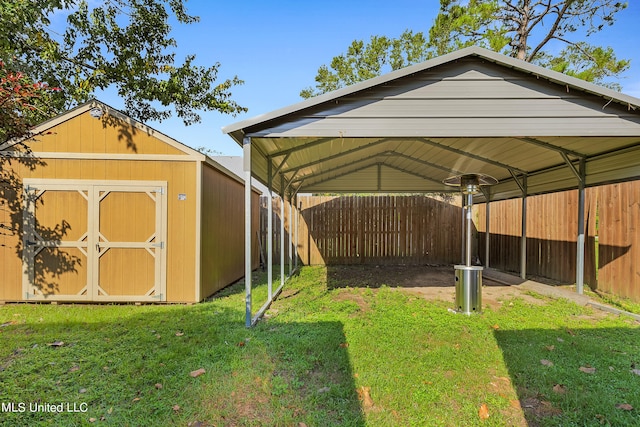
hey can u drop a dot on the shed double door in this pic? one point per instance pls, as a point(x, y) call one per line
point(94, 240)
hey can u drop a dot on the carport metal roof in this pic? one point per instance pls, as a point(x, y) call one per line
point(469, 111)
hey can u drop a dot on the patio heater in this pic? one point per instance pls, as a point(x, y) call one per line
point(468, 277)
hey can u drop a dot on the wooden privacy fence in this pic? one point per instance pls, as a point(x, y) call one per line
point(422, 230)
point(612, 237)
point(552, 227)
point(370, 230)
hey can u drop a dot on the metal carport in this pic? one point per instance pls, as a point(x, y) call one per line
point(535, 130)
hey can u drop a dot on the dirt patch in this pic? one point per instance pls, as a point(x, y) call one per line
point(355, 297)
point(513, 414)
point(432, 282)
point(537, 410)
point(375, 276)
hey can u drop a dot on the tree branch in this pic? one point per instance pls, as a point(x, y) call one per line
point(577, 46)
point(510, 6)
point(551, 33)
point(541, 16)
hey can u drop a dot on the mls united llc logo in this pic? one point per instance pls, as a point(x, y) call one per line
point(21, 407)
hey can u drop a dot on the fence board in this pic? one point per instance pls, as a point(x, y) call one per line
point(619, 239)
point(612, 216)
point(370, 230)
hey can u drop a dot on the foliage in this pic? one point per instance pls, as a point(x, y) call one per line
point(524, 28)
point(324, 355)
point(208, 151)
point(23, 103)
point(519, 28)
point(590, 63)
point(124, 44)
point(364, 61)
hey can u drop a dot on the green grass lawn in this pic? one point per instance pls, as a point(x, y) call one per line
point(322, 357)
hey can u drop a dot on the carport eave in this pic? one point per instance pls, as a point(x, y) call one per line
point(598, 163)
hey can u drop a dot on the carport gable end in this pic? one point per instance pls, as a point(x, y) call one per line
point(470, 110)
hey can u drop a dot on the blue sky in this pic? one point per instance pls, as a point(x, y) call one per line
point(277, 46)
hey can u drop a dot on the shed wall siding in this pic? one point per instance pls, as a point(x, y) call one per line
point(85, 134)
point(90, 136)
point(180, 245)
point(222, 227)
point(10, 241)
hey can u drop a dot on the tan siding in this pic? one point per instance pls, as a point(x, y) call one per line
point(10, 262)
point(222, 254)
point(181, 280)
point(85, 134)
point(72, 143)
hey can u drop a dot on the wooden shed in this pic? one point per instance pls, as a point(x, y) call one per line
point(98, 207)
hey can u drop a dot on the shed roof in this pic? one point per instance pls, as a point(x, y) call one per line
point(471, 111)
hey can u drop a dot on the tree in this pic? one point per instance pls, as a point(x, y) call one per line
point(362, 62)
point(23, 103)
point(523, 28)
point(124, 44)
point(519, 28)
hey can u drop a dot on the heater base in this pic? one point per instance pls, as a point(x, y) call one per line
point(468, 289)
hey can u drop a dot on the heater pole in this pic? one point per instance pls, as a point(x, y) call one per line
point(468, 228)
point(463, 225)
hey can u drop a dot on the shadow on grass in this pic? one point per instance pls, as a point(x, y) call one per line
point(131, 365)
point(574, 377)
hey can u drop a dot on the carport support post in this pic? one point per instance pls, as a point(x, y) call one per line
point(282, 199)
point(580, 243)
point(270, 235)
point(295, 252)
point(523, 239)
point(290, 236)
point(246, 153)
